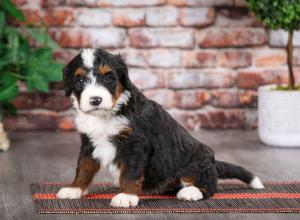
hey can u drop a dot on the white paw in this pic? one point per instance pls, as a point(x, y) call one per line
point(70, 193)
point(190, 193)
point(256, 183)
point(124, 200)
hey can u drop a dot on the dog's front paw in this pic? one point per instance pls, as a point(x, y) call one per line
point(124, 200)
point(70, 193)
point(190, 193)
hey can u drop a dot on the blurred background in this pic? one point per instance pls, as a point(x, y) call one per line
point(202, 60)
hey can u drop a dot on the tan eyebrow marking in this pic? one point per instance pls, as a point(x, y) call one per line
point(80, 72)
point(103, 69)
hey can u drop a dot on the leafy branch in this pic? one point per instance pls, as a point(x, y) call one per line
point(280, 14)
point(21, 62)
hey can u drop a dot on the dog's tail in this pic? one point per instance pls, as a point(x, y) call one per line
point(230, 171)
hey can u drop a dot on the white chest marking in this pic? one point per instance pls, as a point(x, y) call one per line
point(100, 129)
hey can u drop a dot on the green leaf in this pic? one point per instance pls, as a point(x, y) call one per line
point(43, 54)
point(54, 72)
point(6, 79)
point(4, 61)
point(2, 23)
point(8, 87)
point(39, 83)
point(11, 9)
point(41, 37)
point(13, 45)
point(9, 93)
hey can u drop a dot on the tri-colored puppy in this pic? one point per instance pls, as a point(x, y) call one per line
point(134, 138)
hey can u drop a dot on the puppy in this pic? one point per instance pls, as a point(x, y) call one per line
point(134, 138)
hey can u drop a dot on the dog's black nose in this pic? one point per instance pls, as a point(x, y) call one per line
point(95, 100)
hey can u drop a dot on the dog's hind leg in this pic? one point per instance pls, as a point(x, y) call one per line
point(206, 181)
point(198, 185)
point(189, 191)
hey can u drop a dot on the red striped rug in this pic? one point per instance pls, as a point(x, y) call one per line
point(232, 197)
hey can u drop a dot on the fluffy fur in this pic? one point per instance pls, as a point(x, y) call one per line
point(134, 138)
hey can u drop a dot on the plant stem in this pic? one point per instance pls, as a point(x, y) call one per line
point(19, 76)
point(290, 60)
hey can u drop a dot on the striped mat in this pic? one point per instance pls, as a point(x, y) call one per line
point(231, 198)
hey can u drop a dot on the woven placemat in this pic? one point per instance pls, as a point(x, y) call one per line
point(231, 198)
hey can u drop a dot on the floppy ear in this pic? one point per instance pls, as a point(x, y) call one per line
point(67, 76)
point(123, 72)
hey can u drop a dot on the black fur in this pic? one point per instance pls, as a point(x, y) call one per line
point(158, 147)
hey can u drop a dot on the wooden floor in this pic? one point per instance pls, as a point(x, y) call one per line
point(52, 157)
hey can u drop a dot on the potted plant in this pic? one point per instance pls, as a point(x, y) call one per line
point(279, 105)
point(20, 62)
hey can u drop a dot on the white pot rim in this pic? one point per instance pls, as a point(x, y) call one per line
point(271, 89)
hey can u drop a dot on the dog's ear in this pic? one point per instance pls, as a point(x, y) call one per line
point(67, 76)
point(123, 71)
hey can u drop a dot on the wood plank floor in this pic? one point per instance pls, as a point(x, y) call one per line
point(46, 156)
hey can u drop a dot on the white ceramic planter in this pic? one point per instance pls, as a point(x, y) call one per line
point(279, 117)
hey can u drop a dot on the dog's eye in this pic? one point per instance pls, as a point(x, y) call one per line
point(79, 80)
point(108, 78)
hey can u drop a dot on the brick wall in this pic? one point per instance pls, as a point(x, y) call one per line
point(201, 59)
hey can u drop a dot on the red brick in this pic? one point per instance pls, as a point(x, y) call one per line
point(296, 54)
point(201, 2)
point(145, 79)
point(93, 17)
point(199, 79)
point(102, 3)
point(191, 99)
point(187, 119)
point(149, 37)
point(164, 97)
point(50, 101)
point(19, 2)
point(241, 3)
point(165, 58)
point(136, 58)
point(32, 17)
point(130, 3)
point(231, 37)
point(162, 16)
point(50, 3)
point(251, 79)
point(234, 59)
point(59, 17)
point(31, 121)
point(71, 38)
point(215, 119)
point(199, 59)
point(66, 123)
point(197, 17)
point(225, 98)
point(107, 38)
point(229, 118)
point(128, 17)
point(234, 17)
point(56, 86)
point(248, 98)
point(233, 98)
point(269, 57)
point(85, 3)
point(64, 56)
